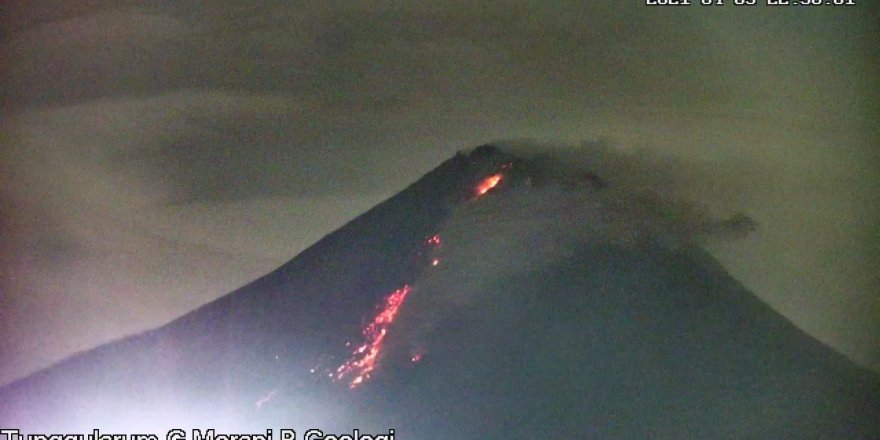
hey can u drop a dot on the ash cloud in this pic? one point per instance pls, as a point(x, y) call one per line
point(556, 201)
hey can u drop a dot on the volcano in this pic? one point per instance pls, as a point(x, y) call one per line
point(453, 310)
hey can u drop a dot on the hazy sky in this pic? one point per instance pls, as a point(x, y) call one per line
point(156, 155)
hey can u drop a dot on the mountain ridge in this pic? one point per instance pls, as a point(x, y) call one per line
point(608, 339)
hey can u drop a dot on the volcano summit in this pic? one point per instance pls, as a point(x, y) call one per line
point(499, 296)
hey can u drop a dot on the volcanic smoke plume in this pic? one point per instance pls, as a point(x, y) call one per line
point(548, 204)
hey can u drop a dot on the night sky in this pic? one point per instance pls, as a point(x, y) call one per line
point(157, 155)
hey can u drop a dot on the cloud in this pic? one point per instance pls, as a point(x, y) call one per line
point(100, 244)
point(798, 242)
point(559, 200)
point(91, 55)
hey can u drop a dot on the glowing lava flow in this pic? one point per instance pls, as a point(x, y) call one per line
point(489, 183)
point(363, 360)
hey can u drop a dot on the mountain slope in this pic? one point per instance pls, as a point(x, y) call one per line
point(382, 324)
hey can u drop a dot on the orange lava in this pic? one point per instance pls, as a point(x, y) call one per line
point(434, 241)
point(489, 183)
point(363, 360)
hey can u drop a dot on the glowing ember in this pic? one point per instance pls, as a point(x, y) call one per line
point(363, 359)
point(435, 262)
point(416, 357)
point(434, 241)
point(489, 183)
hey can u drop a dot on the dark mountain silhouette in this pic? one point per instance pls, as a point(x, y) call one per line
point(643, 341)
